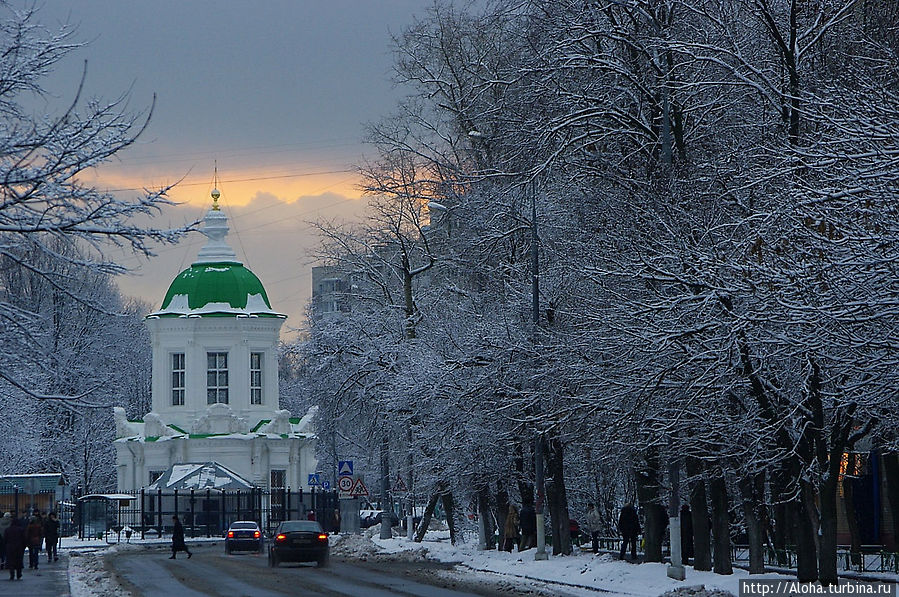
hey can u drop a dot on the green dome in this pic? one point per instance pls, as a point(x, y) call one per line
point(216, 289)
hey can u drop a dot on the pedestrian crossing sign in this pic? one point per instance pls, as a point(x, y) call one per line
point(314, 480)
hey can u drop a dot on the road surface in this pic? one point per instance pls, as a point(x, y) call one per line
point(210, 572)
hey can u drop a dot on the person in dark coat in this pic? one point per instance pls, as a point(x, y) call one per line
point(527, 522)
point(15, 549)
point(510, 529)
point(34, 537)
point(51, 537)
point(178, 543)
point(686, 534)
point(629, 527)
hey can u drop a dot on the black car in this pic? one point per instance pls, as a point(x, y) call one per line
point(244, 535)
point(299, 541)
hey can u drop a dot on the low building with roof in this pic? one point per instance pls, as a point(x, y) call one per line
point(215, 380)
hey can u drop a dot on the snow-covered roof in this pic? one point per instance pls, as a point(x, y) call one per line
point(199, 475)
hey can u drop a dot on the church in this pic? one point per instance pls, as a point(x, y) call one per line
point(215, 384)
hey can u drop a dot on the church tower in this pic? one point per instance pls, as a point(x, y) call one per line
point(215, 379)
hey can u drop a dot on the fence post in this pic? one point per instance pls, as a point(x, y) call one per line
point(176, 502)
point(285, 503)
point(207, 514)
point(193, 518)
point(238, 505)
point(159, 513)
point(222, 519)
point(143, 517)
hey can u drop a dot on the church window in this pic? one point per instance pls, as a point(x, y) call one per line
point(216, 377)
point(255, 378)
point(178, 379)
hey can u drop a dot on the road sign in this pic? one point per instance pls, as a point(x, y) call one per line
point(399, 486)
point(345, 468)
point(359, 489)
point(345, 484)
point(314, 480)
point(326, 485)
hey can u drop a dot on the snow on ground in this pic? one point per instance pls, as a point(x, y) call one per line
point(580, 574)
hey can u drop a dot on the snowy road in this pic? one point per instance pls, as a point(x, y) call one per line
point(211, 572)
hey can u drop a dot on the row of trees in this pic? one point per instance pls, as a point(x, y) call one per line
point(70, 345)
point(709, 188)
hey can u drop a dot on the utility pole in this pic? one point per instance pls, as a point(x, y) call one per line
point(535, 313)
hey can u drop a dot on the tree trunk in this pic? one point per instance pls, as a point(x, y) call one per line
point(891, 472)
point(648, 495)
point(752, 488)
point(502, 511)
point(827, 555)
point(450, 509)
point(559, 502)
point(783, 524)
point(720, 525)
point(699, 511)
point(855, 540)
point(486, 516)
point(804, 535)
point(426, 517)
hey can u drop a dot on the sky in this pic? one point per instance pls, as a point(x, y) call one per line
point(275, 92)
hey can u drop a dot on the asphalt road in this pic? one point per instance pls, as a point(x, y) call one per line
point(210, 572)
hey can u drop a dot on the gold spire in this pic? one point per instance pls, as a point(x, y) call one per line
point(215, 191)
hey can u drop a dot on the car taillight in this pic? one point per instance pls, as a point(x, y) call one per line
point(230, 534)
point(322, 537)
point(255, 534)
point(281, 537)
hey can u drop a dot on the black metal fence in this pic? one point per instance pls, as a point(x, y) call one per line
point(203, 513)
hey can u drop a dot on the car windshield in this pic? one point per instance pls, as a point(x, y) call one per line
point(300, 525)
point(244, 525)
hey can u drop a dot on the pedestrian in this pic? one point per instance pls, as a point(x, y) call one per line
point(178, 543)
point(510, 529)
point(310, 515)
point(34, 537)
point(629, 527)
point(15, 548)
point(527, 520)
point(686, 535)
point(51, 537)
point(594, 524)
point(5, 521)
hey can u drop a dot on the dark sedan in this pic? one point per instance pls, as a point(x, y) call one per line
point(299, 541)
point(244, 535)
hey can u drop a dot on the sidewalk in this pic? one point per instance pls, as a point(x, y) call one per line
point(49, 580)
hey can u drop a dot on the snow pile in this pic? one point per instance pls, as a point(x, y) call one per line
point(88, 576)
point(697, 591)
point(579, 574)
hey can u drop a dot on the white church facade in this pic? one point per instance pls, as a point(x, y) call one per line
point(215, 381)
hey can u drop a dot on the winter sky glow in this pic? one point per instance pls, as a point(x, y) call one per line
point(277, 92)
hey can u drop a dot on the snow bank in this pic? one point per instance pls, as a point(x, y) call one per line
point(88, 577)
point(582, 573)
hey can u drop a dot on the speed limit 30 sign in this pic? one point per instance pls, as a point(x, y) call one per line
point(345, 483)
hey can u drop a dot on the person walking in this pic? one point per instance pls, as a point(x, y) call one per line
point(51, 537)
point(34, 536)
point(528, 524)
point(15, 548)
point(178, 543)
point(5, 521)
point(629, 527)
point(594, 524)
point(510, 529)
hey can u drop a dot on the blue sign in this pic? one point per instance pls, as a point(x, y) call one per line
point(345, 468)
point(314, 480)
point(326, 485)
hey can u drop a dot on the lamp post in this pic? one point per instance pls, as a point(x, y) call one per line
point(676, 570)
